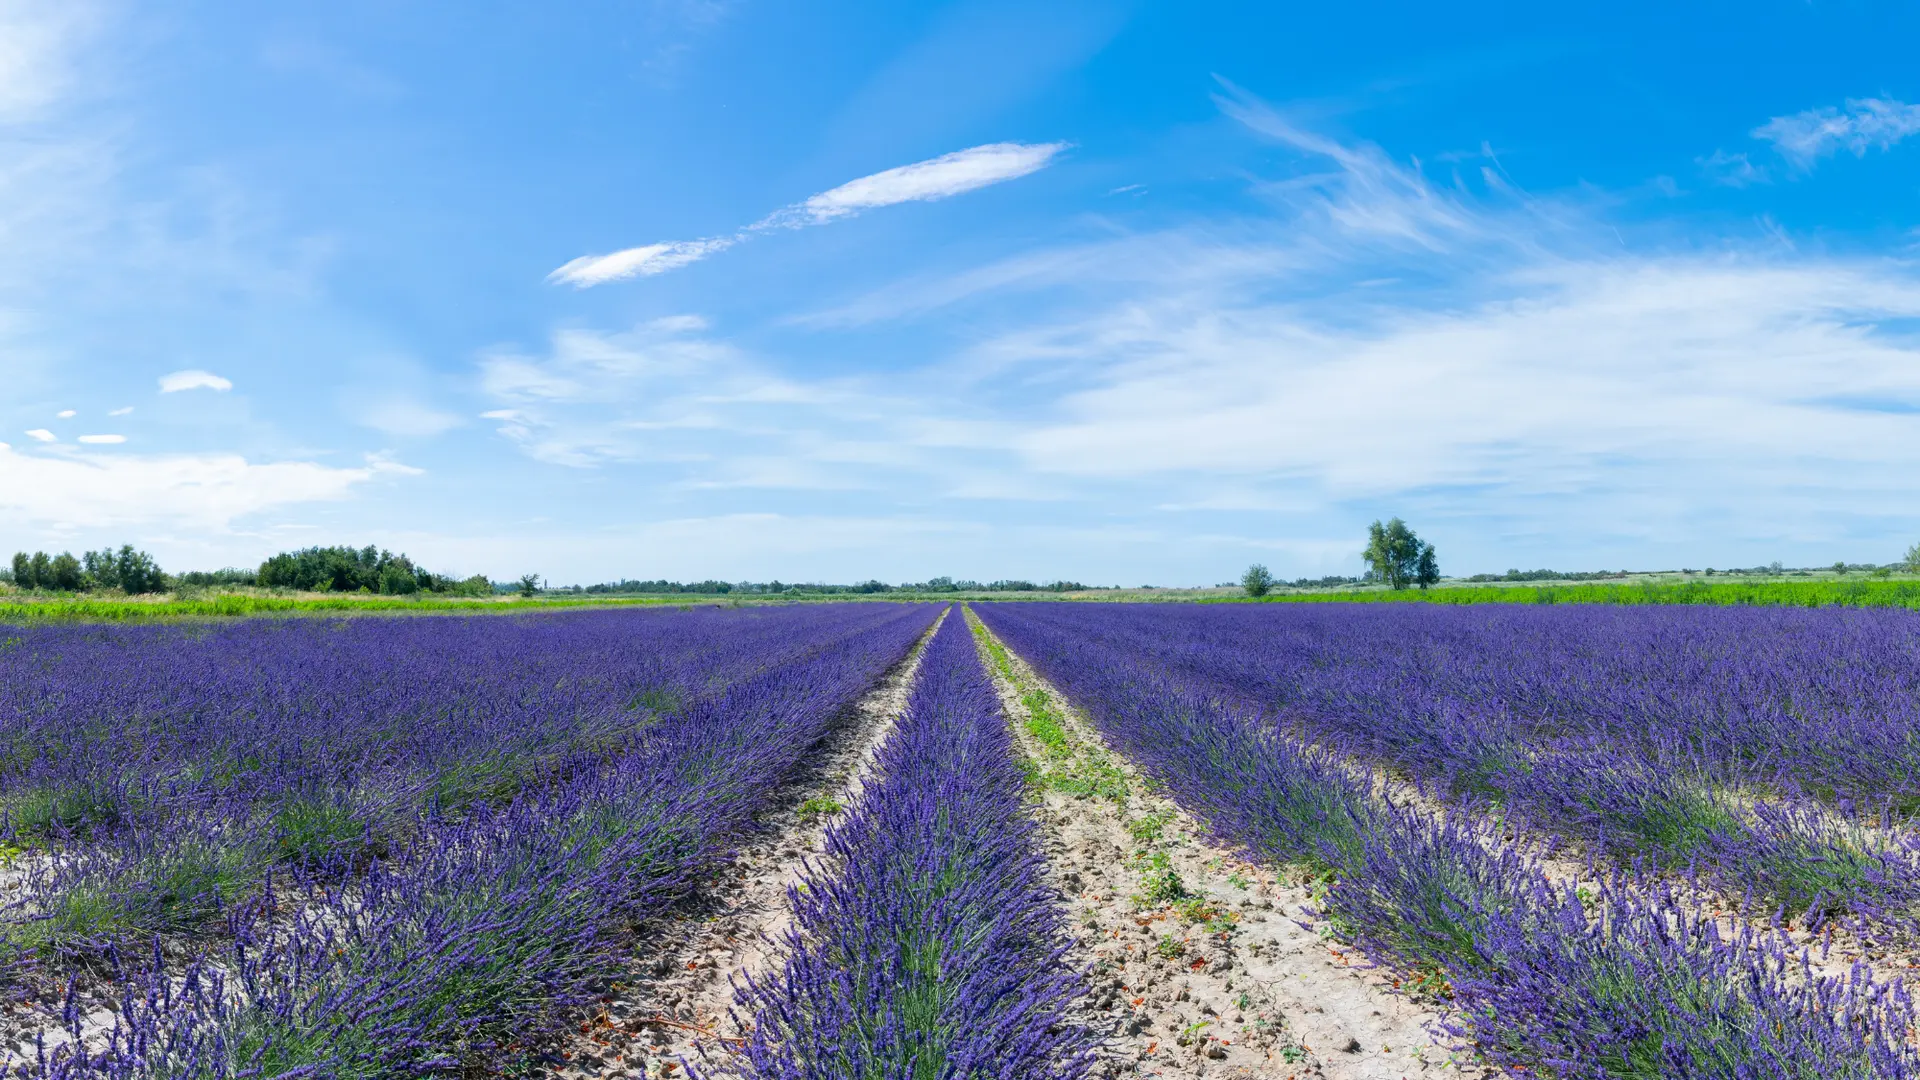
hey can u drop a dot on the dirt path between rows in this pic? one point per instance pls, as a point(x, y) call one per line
point(675, 1009)
point(1202, 964)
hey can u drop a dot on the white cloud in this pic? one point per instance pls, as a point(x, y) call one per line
point(65, 414)
point(123, 411)
point(679, 324)
point(103, 440)
point(42, 434)
point(1659, 375)
point(597, 397)
point(206, 492)
point(1374, 344)
point(1732, 170)
point(924, 181)
point(1864, 123)
point(193, 379)
point(1367, 194)
point(36, 45)
point(407, 418)
point(590, 270)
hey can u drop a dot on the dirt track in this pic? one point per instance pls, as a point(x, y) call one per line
point(675, 1009)
point(1248, 991)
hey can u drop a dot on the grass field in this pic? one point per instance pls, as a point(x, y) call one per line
point(1816, 589)
point(1811, 592)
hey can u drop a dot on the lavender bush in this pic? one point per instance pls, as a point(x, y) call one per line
point(1628, 983)
point(469, 940)
point(155, 774)
point(1770, 752)
point(926, 945)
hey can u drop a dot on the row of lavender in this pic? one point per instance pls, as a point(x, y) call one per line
point(154, 775)
point(1770, 752)
point(926, 944)
point(1628, 983)
point(470, 937)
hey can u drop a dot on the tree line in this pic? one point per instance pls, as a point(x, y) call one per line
point(129, 570)
point(315, 569)
point(368, 569)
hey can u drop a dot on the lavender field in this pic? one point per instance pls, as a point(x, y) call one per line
point(382, 847)
point(1400, 756)
point(1582, 842)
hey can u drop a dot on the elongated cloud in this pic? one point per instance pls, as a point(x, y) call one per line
point(1806, 137)
point(194, 379)
point(103, 440)
point(590, 270)
point(924, 181)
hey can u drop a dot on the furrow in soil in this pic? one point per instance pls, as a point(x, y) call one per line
point(1202, 964)
point(675, 1008)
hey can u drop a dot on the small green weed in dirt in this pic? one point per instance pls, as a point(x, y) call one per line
point(819, 806)
point(1198, 909)
point(1193, 1033)
point(1065, 765)
point(1149, 828)
point(1160, 883)
point(1169, 947)
point(1234, 879)
point(1090, 777)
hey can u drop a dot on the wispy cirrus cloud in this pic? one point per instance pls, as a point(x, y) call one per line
point(1732, 170)
point(1864, 123)
point(1374, 340)
point(646, 261)
point(924, 181)
point(193, 379)
point(36, 46)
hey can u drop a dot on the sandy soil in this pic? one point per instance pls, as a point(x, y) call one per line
point(1248, 990)
point(674, 1010)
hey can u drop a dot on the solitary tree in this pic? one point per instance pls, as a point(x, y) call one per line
point(1398, 557)
point(1256, 581)
point(529, 583)
point(1913, 559)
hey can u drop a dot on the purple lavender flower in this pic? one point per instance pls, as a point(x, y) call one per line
point(926, 945)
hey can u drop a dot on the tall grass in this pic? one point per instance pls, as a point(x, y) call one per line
point(1880, 594)
point(231, 605)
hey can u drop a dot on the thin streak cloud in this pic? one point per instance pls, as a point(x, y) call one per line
point(590, 270)
point(924, 181)
point(195, 379)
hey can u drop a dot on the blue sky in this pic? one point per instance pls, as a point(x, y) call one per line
point(1125, 293)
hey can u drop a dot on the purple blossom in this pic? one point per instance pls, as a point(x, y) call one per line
point(926, 944)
